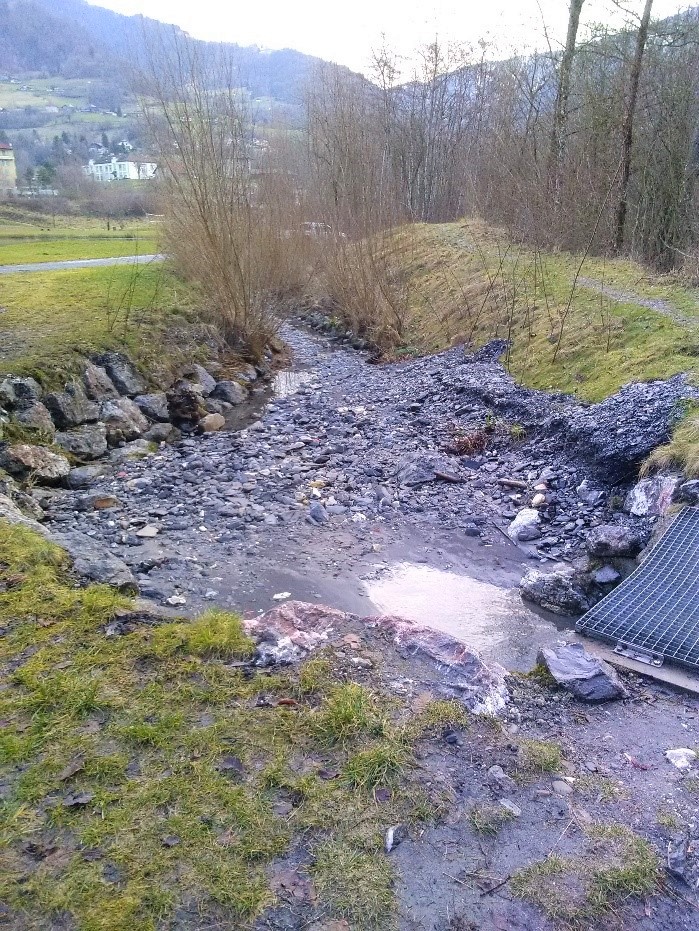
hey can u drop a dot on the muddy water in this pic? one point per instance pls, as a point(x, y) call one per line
point(487, 616)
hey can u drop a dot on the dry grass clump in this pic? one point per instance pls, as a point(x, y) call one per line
point(682, 452)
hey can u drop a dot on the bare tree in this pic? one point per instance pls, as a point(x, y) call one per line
point(627, 128)
point(560, 114)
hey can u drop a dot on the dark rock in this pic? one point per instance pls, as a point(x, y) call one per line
point(230, 391)
point(123, 374)
point(14, 389)
point(317, 513)
point(86, 442)
point(613, 540)
point(153, 406)
point(683, 856)
point(84, 476)
point(93, 561)
point(71, 407)
point(422, 467)
point(499, 781)
point(161, 433)
point(585, 676)
point(563, 590)
point(36, 462)
point(491, 352)
point(185, 404)
point(98, 385)
point(688, 492)
point(123, 420)
point(35, 416)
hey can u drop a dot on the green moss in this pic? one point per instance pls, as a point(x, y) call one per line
point(350, 711)
point(215, 633)
point(378, 765)
point(539, 756)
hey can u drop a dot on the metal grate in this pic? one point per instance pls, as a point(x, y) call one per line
point(654, 614)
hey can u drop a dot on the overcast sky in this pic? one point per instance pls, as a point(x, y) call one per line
point(346, 33)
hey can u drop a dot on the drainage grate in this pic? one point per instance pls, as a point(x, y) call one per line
point(654, 614)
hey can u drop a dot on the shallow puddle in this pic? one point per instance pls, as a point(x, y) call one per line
point(494, 620)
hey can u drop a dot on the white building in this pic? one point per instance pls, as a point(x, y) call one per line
point(114, 169)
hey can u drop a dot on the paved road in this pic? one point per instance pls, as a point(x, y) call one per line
point(79, 263)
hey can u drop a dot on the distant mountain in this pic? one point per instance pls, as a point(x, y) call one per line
point(72, 38)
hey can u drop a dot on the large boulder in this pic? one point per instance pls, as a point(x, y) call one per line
point(86, 442)
point(34, 416)
point(563, 590)
point(198, 375)
point(230, 391)
point(98, 385)
point(613, 540)
point(153, 406)
point(71, 407)
point(123, 374)
point(42, 465)
point(185, 404)
point(288, 634)
point(525, 527)
point(586, 676)
point(123, 420)
point(10, 512)
point(14, 389)
point(652, 497)
point(95, 562)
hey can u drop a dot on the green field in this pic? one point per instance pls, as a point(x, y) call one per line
point(58, 250)
point(50, 319)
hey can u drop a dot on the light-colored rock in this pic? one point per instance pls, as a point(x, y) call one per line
point(198, 375)
point(681, 757)
point(560, 590)
point(150, 530)
point(23, 461)
point(525, 526)
point(212, 422)
point(499, 781)
point(123, 420)
point(288, 633)
point(15, 389)
point(538, 501)
point(652, 497)
point(13, 515)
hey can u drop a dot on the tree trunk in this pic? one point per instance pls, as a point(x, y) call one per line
point(627, 128)
point(560, 115)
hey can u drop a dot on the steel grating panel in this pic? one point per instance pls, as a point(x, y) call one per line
point(654, 614)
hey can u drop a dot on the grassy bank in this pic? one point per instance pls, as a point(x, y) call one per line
point(50, 318)
point(470, 283)
point(154, 770)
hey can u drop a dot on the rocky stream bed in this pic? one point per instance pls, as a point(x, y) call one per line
point(425, 488)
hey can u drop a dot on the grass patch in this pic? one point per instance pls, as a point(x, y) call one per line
point(469, 282)
point(16, 251)
point(616, 867)
point(357, 885)
point(682, 452)
point(143, 772)
point(539, 756)
point(51, 319)
point(488, 820)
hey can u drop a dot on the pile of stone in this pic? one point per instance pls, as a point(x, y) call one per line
point(109, 407)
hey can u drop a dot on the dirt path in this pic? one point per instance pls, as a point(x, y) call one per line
point(628, 297)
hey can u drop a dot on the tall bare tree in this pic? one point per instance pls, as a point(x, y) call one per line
point(628, 127)
point(560, 114)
